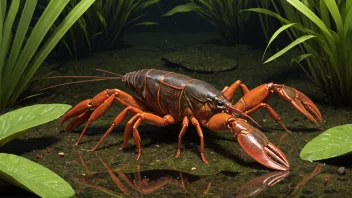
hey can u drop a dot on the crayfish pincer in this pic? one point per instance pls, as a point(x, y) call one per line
point(251, 139)
point(166, 98)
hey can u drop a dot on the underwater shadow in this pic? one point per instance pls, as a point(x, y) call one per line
point(282, 75)
point(21, 146)
point(341, 161)
point(154, 135)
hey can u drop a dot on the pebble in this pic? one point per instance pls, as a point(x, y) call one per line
point(193, 168)
point(341, 171)
point(61, 154)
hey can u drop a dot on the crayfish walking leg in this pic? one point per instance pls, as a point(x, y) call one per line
point(91, 109)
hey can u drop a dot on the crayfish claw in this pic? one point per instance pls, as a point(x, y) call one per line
point(276, 154)
point(306, 103)
point(256, 145)
point(301, 102)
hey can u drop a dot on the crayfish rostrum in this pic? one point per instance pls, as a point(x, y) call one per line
point(167, 98)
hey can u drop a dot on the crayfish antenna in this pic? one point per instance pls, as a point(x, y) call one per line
point(235, 110)
point(92, 79)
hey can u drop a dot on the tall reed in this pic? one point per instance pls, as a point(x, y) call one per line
point(23, 49)
point(323, 32)
point(223, 14)
point(103, 25)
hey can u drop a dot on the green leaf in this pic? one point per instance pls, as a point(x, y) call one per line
point(300, 40)
point(59, 32)
point(334, 142)
point(145, 23)
point(273, 37)
point(182, 8)
point(33, 177)
point(14, 123)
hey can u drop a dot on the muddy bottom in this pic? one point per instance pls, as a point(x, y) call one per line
point(111, 172)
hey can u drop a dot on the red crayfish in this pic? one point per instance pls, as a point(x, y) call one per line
point(167, 98)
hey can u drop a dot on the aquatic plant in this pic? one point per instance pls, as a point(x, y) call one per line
point(21, 171)
point(323, 32)
point(23, 49)
point(334, 142)
point(223, 14)
point(103, 25)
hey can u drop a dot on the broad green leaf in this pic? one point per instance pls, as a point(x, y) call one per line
point(33, 177)
point(334, 142)
point(14, 123)
point(182, 8)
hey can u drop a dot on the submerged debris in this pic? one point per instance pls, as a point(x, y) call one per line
point(38, 156)
point(341, 171)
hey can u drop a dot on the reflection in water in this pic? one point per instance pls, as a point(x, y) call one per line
point(259, 184)
point(160, 182)
point(305, 179)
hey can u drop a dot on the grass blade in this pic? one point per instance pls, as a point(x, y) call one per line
point(300, 40)
point(70, 19)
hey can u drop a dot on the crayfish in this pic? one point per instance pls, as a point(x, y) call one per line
point(167, 98)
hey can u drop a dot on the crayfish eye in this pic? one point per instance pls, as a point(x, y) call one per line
point(220, 104)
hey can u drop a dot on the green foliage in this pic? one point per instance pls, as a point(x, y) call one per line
point(20, 171)
point(223, 14)
point(33, 177)
point(22, 50)
point(103, 25)
point(323, 31)
point(16, 122)
point(334, 142)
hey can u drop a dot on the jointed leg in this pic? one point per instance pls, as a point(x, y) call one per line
point(136, 120)
point(119, 118)
point(97, 113)
point(91, 109)
point(229, 91)
point(185, 123)
point(195, 123)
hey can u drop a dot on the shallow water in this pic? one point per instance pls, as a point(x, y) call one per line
point(229, 173)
